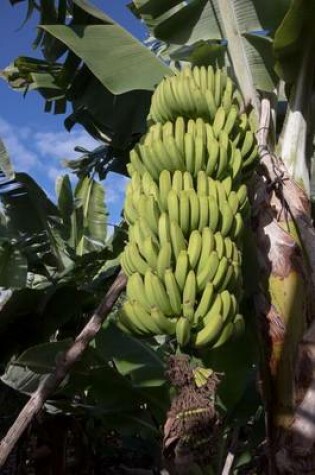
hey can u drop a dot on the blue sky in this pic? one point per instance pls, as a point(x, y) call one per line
point(37, 141)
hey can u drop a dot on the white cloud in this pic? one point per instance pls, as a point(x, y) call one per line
point(20, 154)
point(60, 145)
point(53, 172)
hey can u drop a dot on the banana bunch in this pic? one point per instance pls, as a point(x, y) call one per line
point(185, 206)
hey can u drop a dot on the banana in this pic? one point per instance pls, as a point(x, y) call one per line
point(238, 226)
point(173, 206)
point(125, 267)
point(220, 273)
point(137, 162)
point(164, 228)
point(164, 259)
point(210, 78)
point(205, 302)
point(202, 183)
point(224, 139)
point(191, 127)
point(209, 332)
point(189, 311)
point(207, 271)
point(251, 158)
point(144, 231)
point(189, 94)
point(136, 290)
point(204, 212)
point(227, 218)
point(184, 212)
point(228, 248)
point(194, 209)
point(242, 194)
point(156, 131)
point(213, 149)
point(217, 87)
point(173, 291)
point(174, 153)
point(227, 282)
point(177, 181)
point(226, 304)
point(225, 335)
point(153, 213)
point(161, 298)
point(189, 291)
point(248, 143)
point(177, 238)
point(149, 251)
point(189, 148)
point(208, 245)
point(143, 319)
point(233, 201)
point(143, 182)
point(202, 109)
point(128, 318)
point(219, 244)
point(222, 163)
point(236, 164)
point(136, 180)
point(194, 248)
point(130, 213)
point(167, 325)
point(227, 98)
point(199, 154)
point(182, 331)
point(179, 133)
point(182, 268)
point(231, 119)
point(130, 169)
point(167, 130)
point(216, 308)
point(210, 101)
point(151, 164)
point(134, 259)
point(214, 214)
point(219, 121)
point(227, 183)
point(201, 130)
point(196, 75)
point(165, 185)
point(161, 156)
point(188, 182)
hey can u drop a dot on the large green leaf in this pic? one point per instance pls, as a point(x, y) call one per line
point(293, 38)
point(237, 21)
point(128, 64)
point(34, 222)
point(91, 216)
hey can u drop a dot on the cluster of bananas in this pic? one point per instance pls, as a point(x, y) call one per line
point(185, 206)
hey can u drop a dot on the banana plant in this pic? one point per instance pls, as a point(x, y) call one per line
point(267, 47)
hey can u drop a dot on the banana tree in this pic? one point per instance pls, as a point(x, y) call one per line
point(267, 48)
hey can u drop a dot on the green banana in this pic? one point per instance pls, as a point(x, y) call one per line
point(189, 290)
point(194, 248)
point(205, 301)
point(177, 238)
point(182, 268)
point(164, 259)
point(182, 331)
point(173, 291)
point(209, 332)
